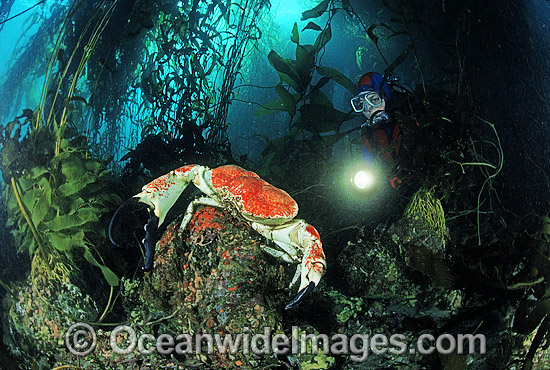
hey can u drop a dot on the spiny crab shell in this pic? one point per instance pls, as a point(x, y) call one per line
point(254, 198)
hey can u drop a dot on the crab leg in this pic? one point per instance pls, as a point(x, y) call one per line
point(190, 211)
point(298, 234)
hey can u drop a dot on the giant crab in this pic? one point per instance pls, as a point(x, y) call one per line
point(268, 210)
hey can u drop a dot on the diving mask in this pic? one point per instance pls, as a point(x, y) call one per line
point(366, 100)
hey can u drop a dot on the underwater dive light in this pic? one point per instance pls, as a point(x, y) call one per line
point(363, 179)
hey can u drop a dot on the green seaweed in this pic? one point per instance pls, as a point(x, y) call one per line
point(62, 200)
point(317, 114)
point(58, 188)
point(314, 121)
point(320, 361)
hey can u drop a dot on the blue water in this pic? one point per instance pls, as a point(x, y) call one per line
point(245, 133)
point(13, 38)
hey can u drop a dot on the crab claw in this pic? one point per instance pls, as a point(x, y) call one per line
point(302, 294)
point(157, 198)
point(294, 236)
point(128, 217)
point(162, 193)
point(150, 241)
point(313, 264)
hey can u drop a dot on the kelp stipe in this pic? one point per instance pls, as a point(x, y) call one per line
point(58, 190)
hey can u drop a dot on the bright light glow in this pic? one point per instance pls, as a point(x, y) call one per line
point(363, 180)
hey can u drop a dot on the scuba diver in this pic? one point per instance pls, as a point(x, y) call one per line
point(378, 98)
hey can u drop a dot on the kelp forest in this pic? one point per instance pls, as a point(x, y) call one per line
point(174, 171)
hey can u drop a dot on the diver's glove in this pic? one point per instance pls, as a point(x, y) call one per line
point(395, 182)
